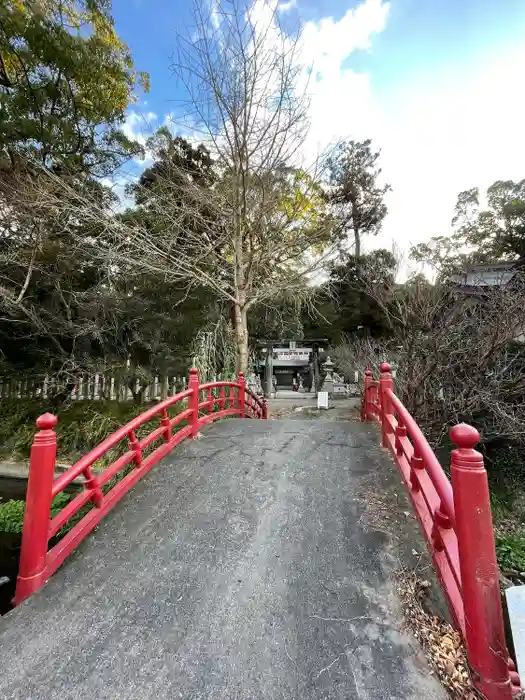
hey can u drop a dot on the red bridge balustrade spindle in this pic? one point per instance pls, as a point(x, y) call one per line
point(401, 432)
point(441, 522)
point(92, 485)
point(416, 465)
point(166, 424)
point(136, 448)
point(366, 394)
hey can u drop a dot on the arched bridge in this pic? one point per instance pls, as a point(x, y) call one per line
point(249, 563)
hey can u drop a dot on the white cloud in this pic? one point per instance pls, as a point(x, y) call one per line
point(443, 138)
point(186, 128)
point(139, 126)
point(287, 6)
point(437, 137)
point(118, 186)
point(342, 102)
point(328, 42)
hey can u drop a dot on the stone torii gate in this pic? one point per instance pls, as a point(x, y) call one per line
point(292, 348)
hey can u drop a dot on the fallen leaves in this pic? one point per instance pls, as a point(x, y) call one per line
point(441, 643)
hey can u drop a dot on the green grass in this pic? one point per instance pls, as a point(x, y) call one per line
point(511, 552)
point(81, 425)
point(509, 524)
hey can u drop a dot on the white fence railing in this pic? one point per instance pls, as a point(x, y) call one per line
point(96, 387)
point(108, 387)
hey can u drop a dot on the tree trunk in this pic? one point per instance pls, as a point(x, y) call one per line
point(241, 336)
point(357, 228)
point(357, 240)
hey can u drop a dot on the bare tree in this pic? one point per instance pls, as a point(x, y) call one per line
point(357, 354)
point(460, 356)
point(245, 91)
point(255, 232)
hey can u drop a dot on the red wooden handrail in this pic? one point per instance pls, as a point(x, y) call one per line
point(37, 561)
point(456, 521)
point(432, 466)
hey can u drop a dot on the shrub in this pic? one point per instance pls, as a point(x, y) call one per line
point(81, 425)
point(511, 552)
point(12, 513)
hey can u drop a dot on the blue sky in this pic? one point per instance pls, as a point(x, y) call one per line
point(435, 83)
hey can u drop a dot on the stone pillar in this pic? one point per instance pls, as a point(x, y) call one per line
point(315, 368)
point(268, 372)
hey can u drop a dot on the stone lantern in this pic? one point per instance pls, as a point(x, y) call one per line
point(328, 383)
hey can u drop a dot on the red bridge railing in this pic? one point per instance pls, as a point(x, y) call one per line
point(456, 521)
point(203, 403)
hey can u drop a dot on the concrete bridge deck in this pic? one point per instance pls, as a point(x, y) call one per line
point(245, 566)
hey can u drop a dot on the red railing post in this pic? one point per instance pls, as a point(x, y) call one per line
point(166, 424)
point(33, 554)
point(240, 381)
point(485, 637)
point(416, 465)
point(401, 432)
point(135, 446)
point(366, 394)
point(193, 401)
point(385, 382)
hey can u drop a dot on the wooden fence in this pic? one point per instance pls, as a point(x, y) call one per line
point(96, 387)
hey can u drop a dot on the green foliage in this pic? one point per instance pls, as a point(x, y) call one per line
point(345, 305)
point(12, 516)
point(12, 512)
point(500, 503)
point(511, 552)
point(66, 81)
point(81, 425)
point(283, 319)
point(358, 199)
point(481, 235)
point(214, 351)
point(506, 467)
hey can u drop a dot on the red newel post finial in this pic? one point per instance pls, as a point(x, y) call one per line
point(484, 632)
point(46, 422)
point(465, 436)
point(193, 401)
point(33, 555)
